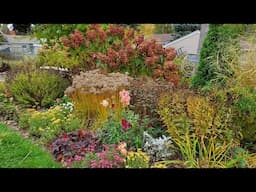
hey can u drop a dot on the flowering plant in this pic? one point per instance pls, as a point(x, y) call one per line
point(66, 103)
point(128, 129)
point(137, 159)
point(109, 157)
point(116, 48)
point(50, 123)
point(125, 97)
point(96, 96)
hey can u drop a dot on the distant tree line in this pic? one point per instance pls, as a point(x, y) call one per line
point(181, 30)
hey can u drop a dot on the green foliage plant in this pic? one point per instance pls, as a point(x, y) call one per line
point(37, 88)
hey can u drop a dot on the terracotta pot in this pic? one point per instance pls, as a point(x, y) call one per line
point(12, 33)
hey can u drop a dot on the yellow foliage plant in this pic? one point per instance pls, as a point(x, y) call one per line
point(199, 128)
point(147, 30)
point(94, 109)
point(251, 161)
point(200, 152)
point(172, 110)
point(137, 159)
point(247, 69)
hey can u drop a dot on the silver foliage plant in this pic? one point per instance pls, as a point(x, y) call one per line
point(158, 149)
point(68, 106)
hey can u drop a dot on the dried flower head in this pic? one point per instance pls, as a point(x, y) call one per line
point(96, 82)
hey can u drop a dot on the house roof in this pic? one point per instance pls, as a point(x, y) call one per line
point(197, 32)
point(163, 38)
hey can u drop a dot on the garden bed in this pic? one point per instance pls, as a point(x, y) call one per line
point(126, 102)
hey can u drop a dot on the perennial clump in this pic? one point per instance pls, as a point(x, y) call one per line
point(96, 83)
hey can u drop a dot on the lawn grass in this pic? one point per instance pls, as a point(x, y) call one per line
point(18, 152)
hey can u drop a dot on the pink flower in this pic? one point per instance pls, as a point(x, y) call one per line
point(69, 161)
point(95, 26)
point(122, 148)
point(122, 145)
point(125, 97)
point(78, 158)
point(117, 158)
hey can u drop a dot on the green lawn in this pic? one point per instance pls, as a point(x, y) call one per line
point(18, 152)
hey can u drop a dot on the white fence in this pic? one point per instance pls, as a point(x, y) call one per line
point(18, 50)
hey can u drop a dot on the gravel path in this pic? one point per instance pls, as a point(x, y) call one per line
point(14, 126)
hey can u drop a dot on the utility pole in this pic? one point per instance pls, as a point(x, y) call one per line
point(203, 31)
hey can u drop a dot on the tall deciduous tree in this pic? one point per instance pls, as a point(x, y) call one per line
point(47, 33)
point(147, 29)
point(134, 26)
point(163, 28)
point(184, 29)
